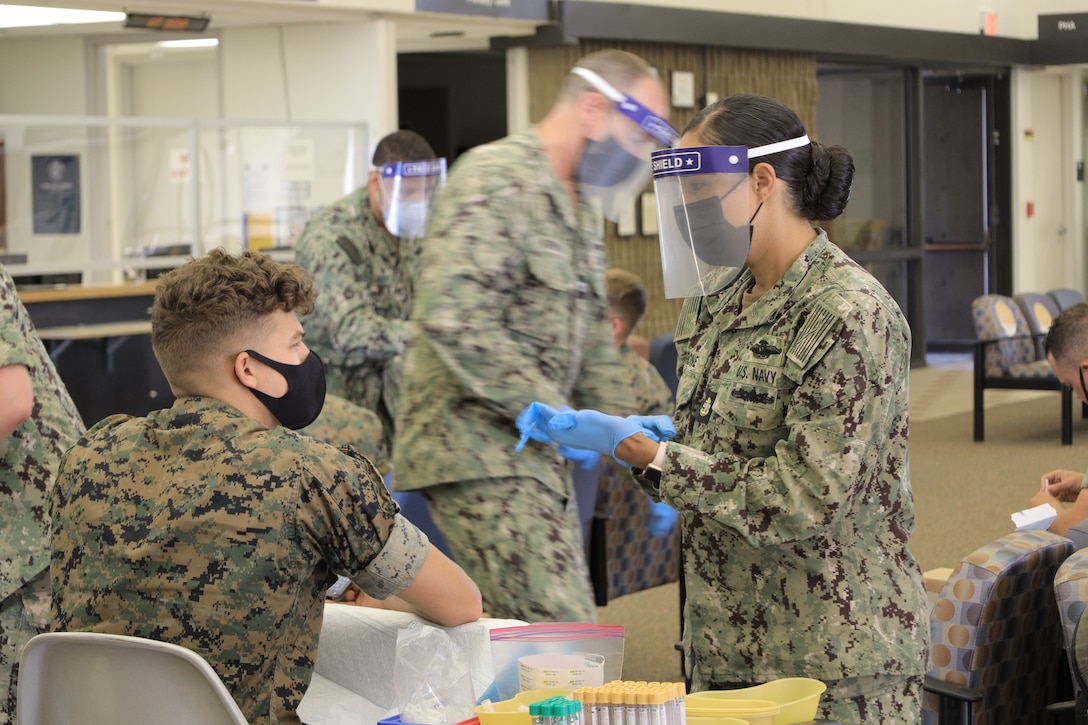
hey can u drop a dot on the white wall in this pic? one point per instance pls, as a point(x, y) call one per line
point(43, 75)
point(316, 72)
point(1016, 18)
point(1048, 139)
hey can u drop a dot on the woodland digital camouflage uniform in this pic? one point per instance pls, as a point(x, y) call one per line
point(509, 309)
point(201, 526)
point(28, 466)
point(794, 493)
point(365, 280)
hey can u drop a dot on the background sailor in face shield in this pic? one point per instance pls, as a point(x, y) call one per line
point(510, 308)
point(363, 254)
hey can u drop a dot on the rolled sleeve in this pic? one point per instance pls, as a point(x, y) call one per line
point(398, 563)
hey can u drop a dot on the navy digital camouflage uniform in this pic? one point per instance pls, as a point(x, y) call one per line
point(201, 526)
point(28, 466)
point(343, 423)
point(790, 472)
point(365, 280)
point(510, 309)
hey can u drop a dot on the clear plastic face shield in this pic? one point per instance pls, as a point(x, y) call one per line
point(614, 169)
point(704, 214)
point(407, 190)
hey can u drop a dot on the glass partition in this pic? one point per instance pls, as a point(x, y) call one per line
point(101, 200)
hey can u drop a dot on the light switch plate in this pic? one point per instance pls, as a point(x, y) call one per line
point(683, 89)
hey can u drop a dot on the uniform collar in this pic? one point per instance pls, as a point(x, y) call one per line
point(777, 296)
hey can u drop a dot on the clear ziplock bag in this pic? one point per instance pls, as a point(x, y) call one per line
point(554, 655)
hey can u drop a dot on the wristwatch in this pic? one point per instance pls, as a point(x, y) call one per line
point(651, 473)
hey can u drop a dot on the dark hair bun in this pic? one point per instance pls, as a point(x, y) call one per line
point(826, 188)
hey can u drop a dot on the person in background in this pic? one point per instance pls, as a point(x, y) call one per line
point(214, 525)
point(626, 308)
point(363, 254)
point(1066, 347)
point(789, 465)
point(509, 308)
point(38, 421)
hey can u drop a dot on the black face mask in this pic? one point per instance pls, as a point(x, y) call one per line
point(711, 236)
point(305, 396)
point(605, 163)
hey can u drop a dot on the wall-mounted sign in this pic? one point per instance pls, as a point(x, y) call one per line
point(56, 193)
point(166, 22)
point(1067, 26)
point(520, 9)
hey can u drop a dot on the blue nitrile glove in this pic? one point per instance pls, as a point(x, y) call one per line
point(533, 423)
point(657, 427)
point(592, 430)
point(662, 518)
point(583, 458)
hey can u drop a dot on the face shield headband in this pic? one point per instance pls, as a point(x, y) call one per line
point(408, 188)
point(613, 170)
point(702, 252)
point(655, 126)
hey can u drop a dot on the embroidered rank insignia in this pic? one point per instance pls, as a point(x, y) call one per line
point(706, 407)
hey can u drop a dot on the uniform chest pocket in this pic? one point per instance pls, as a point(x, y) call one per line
point(542, 317)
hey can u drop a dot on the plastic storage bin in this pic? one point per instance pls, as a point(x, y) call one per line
point(798, 698)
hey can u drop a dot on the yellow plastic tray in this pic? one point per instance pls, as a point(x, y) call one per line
point(754, 712)
point(510, 712)
point(799, 697)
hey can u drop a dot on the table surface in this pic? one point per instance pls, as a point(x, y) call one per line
point(70, 292)
point(122, 328)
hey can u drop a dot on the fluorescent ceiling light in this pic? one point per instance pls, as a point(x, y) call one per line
point(28, 16)
point(194, 43)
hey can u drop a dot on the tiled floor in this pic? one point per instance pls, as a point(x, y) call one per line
point(944, 387)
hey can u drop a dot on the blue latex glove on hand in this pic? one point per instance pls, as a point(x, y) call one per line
point(591, 430)
point(658, 427)
point(662, 519)
point(587, 429)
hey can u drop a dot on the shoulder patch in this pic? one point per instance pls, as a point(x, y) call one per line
point(821, 320)
point(689, 315)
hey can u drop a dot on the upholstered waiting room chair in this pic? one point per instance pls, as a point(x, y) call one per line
point(625, 557)
point(1066, 297)
point(109, 679)
point(1039, 311)
point(996, 635)
point(1071, 594)
point(1006, 358)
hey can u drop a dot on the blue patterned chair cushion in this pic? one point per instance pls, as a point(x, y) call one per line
point(999, 318)
point(635, 560)
point(995, 627)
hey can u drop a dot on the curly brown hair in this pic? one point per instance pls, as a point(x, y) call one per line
point(211, 308)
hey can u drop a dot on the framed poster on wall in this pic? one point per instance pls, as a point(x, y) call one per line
point(56, 193)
